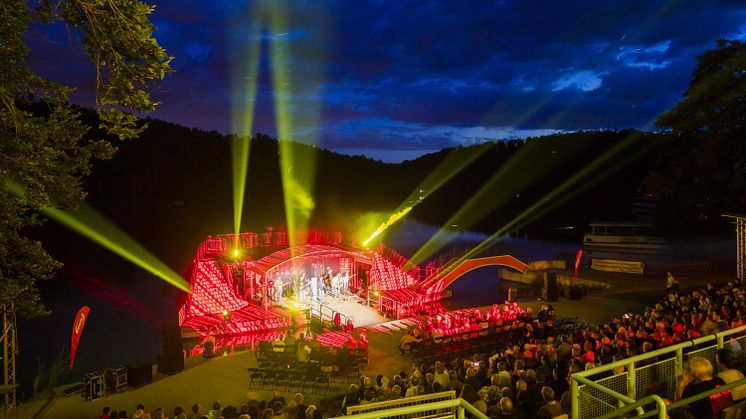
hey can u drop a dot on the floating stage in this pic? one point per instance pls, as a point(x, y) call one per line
point(252, 286)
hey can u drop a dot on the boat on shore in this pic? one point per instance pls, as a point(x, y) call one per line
point(630, 238)
point(629, 247)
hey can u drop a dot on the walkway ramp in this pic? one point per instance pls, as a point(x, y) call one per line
point(453, 271)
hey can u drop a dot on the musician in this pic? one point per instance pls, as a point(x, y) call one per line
point(328, 280)
point(322, 289)
point(314, 288)
point(345, 283)
point(336, 284)
point(278, 288)
point(302, 287)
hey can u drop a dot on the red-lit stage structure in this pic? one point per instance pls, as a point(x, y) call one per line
point(249, 282)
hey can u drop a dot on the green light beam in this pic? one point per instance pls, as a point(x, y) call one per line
point(532, 162)
point(297, 161)
point(87, 222)
point(569, 188)
point(456, 161)
point(245, 73)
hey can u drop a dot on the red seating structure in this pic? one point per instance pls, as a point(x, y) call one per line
point(230, 271)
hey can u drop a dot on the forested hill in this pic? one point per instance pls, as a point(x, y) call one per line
point(184, 176)
point(173, 186)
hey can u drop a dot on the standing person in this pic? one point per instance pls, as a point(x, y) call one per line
point(336, 284)
point(302, 287)
point(345, 283)
point(322, 289)
point(672, 285)
point(314, 288)
point(278, 289)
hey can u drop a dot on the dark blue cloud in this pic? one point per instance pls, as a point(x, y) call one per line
point(423, 75)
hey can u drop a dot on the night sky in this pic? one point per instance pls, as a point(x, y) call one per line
point(396, 79)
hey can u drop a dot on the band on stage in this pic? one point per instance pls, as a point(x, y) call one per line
point(305, 288)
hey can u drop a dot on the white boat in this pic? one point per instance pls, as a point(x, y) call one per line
point(631, 238)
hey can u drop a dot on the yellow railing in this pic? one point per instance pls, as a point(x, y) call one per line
point(455, 409)
point(591, 399)
point(408, 401)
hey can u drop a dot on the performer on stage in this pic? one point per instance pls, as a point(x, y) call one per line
point(314, 288)
point(345, 283)
point(322, 289)
point(278, 288)
point(302, 287)
point(336, 284)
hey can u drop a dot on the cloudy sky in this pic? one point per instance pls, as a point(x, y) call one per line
point(395, 79)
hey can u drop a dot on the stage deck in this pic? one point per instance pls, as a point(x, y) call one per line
point(355, 307)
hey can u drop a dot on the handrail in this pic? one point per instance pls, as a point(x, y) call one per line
point(676, 349)
point(407, 401)
point(662, 407)
point(638, 405)
point(708, 393)
point(602, 389)
point(459, 403)
point(661, 351)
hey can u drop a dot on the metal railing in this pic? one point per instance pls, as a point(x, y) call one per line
point(459, 407)
point(324, 312)
point(638, 382)
point(408, 401)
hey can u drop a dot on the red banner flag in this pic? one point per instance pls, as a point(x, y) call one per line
point(78, 325)
point(578, 258)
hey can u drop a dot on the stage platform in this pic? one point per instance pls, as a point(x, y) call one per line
point(353, 307)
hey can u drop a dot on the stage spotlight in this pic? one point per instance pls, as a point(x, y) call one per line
point(87, 222)
point(388, 223)
point(236, 253)
point(518, 173)
point(376, 294)
point(297, 161)
point(452, 164)
point(622, 154)
point(296, 305)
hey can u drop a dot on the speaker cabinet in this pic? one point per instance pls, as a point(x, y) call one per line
point(549, 291)
point(172, 359)
point(140, 373)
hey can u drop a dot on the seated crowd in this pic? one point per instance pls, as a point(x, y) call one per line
point(530, 376)
point(527, 375)
point(447, 326)
point(275, 408)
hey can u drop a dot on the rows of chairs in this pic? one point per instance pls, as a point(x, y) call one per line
point(466, 342)
point(309, 380)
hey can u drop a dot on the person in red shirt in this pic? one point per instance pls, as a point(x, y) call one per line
point(105, 413)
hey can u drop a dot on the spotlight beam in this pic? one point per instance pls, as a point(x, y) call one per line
point(456, 161)
point(297, 166)
point(243, 122)
point(568, 188)
point(87, 222)
point(502, 187)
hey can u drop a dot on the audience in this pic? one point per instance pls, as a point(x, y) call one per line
point(527, 373)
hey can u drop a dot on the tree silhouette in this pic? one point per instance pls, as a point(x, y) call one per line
point(702, 170)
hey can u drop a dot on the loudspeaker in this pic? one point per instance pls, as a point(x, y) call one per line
point(172, 358)
point(549, 291)
point(140, 373)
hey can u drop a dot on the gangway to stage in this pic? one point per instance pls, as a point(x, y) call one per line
point(457, 268)
point(349, 308)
